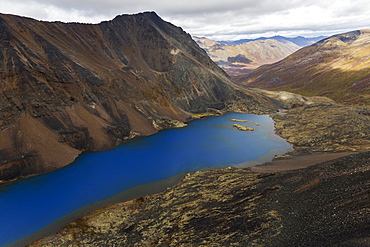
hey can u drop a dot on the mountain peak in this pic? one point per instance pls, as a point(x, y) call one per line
point(148, 14)
point(69, 88)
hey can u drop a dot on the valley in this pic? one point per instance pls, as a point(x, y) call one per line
point(324, 204)
point(68, 89)
point(131, 170)
point(71, 88)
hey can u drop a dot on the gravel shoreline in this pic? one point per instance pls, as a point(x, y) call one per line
point(297, 162)
point(129, 196)
point(322, 205)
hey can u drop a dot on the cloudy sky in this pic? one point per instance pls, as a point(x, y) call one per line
point(216, 19)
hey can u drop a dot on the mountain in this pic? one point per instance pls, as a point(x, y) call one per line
point(337, 67)
point(241, 58)
point(68, 88)
point(300, 41)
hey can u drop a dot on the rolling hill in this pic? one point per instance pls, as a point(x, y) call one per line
point(337, 67)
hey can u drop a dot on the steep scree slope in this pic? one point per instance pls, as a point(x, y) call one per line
point(66, 88)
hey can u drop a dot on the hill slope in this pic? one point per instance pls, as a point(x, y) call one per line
point(241, 58)
point(67, 88)
point(337, 67)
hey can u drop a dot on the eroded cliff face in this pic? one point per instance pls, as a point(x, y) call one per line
point(66, 88)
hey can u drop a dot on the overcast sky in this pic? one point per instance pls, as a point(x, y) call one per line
point(216, 19)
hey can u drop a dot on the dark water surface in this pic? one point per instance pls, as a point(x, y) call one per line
point(32, 204)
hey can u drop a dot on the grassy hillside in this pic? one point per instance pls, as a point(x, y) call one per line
point(337, 67)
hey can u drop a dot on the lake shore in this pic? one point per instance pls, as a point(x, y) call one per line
point(297, 162)
point(124, 196)
point(320, 133)
point(152, 189)
point(206, 143)
point(236, 206)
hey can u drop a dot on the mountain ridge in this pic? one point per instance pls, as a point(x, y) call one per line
point(241, 58)
point(299, 40)
point(336, 67)
point(69, 88)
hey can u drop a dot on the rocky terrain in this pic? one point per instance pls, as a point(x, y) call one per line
point(327, 204)
point(240, 58)
point(336, 67)
point(68, 88)
point(324, 205)
point(325, 127)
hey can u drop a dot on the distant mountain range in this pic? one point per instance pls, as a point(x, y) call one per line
point(240, 58)
point(337, 67)
point(300, 41)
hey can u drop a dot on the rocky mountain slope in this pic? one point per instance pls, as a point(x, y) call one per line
point(337, 67)
point(67, 88)
point(241, 58)
point(326, 204)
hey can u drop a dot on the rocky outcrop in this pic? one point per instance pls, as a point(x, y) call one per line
point(322, 127)
point(337, 67)
point(241, 58)
point(68, 88)
point(324, 205)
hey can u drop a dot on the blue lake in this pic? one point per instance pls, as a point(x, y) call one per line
point(32, 204)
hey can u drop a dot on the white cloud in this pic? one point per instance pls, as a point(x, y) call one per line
point(216, 19)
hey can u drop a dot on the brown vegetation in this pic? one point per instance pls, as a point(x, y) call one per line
point(337, 67)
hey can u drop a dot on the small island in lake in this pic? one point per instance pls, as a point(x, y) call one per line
point(244, 121)
point(241, 127)
point(239, 120)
